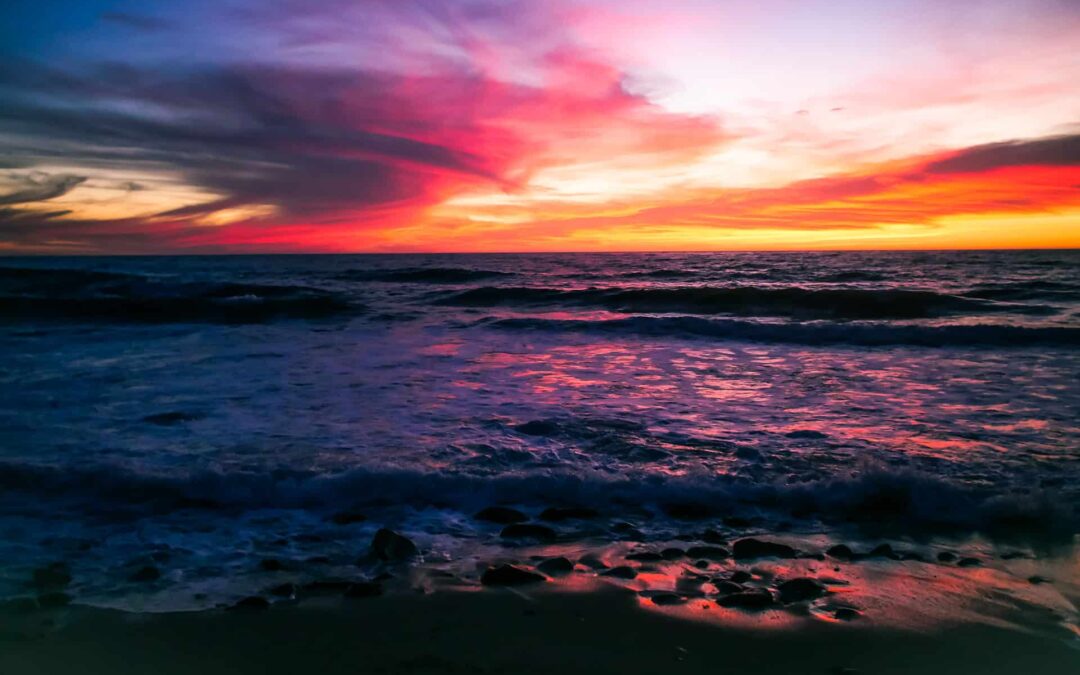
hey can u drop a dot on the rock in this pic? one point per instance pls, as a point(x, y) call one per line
point(1013, 555)
point(667, 599)
point(968, 562)
point(754, 599)
point(538, 428)
point(713, 537)
point(800, 589)
point(946, 557)
point(554, 567)
point(645, 556)
point(912, 555)
point(672, 553)
point(528, 531)
point(347, 518)
point(620, 572)
point(741, 576)
point(271, 565)
point(1038, 580)
point(363, 589)
point(252, 602)
point(688, 511)
point(53, 600)
point(558, 514)
point(840, 552)
point(145, 574)
point(702, 564)
point(56, 575)
point(847, 613)
point(502, 515)
point(708, 552)
point(724, 587)
point(390, 546)
point(756, 548)
point(508, 575)
point(286, 590)
point(883, 551)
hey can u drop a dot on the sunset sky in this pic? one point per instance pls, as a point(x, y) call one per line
point(504, 125)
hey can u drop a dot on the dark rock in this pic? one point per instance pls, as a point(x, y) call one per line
point(53, 600)
point(1038, 580)
point(561, 513)
point(708, 552)
point(554, 567)
point(702, 564)
point(741, 576)
point(840, 552)
point(1013, 555)
point(667, 599)
point(883, 551)
point(620, 572)
point(756, 548)
point(502, 515)
point(283, 590)
point(803, 588)
point(271, 565)
point(538, 428)
point(508, 575)
point(363, 589)
point(847, 613)
point(390, 546)
point(688, 511)
point(724, 587)
point(645, 556)
point(347, 518)
point(968, 562)
point(145, 574)
point(251, 602)
point(672, 553)
point(713, 537)
point(56, 575)
point(754, 599)
point(628, 531)
point(946, 557)
point(528, 531)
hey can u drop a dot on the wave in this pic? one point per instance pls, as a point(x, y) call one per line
point(866, 335)
point(881, 496)
point(423, 275)
point(68, 294)
point(1028, 290)
point(834, 303)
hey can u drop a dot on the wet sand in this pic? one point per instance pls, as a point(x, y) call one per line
point(500, 631)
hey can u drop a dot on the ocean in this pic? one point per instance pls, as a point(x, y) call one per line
point(237, 422)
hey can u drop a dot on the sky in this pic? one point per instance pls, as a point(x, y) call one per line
point(232, 126)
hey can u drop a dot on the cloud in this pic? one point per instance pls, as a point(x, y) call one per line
point(36, 187)
point(1051, 151)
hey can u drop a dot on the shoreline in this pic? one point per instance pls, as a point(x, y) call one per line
point(506, 631)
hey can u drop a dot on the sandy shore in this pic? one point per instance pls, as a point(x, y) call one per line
point(502, 631)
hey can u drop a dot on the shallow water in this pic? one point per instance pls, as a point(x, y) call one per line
point(201, 414)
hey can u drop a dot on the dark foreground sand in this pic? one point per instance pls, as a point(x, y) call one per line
point(504, 632)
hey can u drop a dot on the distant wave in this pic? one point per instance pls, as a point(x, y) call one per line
point(886, 496)
point(835, 303)
point(1028, 290)
point(810, 334)
point(423, 275)
point(68, 294)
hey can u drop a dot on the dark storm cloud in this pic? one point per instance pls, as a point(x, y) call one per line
point(305, 140)
point(1052, 151)
point(27, 188)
